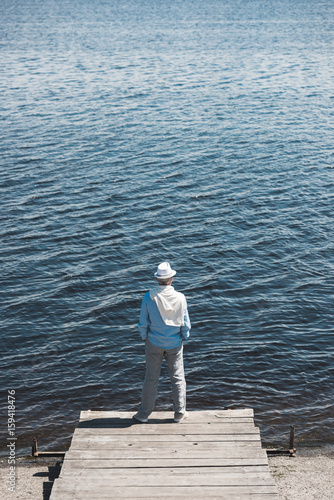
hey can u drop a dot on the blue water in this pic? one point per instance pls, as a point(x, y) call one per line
point(201, 133)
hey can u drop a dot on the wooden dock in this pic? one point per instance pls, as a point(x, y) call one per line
point(211, 454)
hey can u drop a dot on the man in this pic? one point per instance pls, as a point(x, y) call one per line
point(163, 325)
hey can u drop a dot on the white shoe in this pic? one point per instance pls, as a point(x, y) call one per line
point(140, 419)
point(178, 417)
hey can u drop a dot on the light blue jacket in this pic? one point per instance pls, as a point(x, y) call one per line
point(151, 326)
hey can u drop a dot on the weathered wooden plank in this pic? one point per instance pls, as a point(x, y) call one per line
point(76, 466)
point(184, 433)
point(172, 462)
point(111, 422)
point(163, 453)
point(229, 495)
point(168, 424)
point(101, 491)
point(232, 496)
point(206, 415)
point(91, 444)
point(107, 440)
point(201, 428)
point(170, 419)
point(161, 440)
point(168, 478)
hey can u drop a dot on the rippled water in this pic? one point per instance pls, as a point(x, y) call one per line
point(195, 132)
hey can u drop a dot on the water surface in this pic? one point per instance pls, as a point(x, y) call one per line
point(201, 133)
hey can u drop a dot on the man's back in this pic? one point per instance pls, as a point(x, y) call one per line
point(152, 326)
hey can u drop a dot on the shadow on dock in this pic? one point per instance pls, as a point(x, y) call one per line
point(119, 423)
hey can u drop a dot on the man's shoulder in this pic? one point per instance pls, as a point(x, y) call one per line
point(147, 297)
point(182, 297)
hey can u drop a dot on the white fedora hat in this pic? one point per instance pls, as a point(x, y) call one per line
point(164, 271)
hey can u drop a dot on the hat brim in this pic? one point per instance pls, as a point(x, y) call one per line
point(165, 277)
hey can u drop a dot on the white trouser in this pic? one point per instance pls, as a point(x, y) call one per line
point(154, 357)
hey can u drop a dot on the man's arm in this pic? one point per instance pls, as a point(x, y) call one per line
point(144, 320)
point(185, 329)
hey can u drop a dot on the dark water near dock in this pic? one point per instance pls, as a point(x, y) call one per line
point(196, 132)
